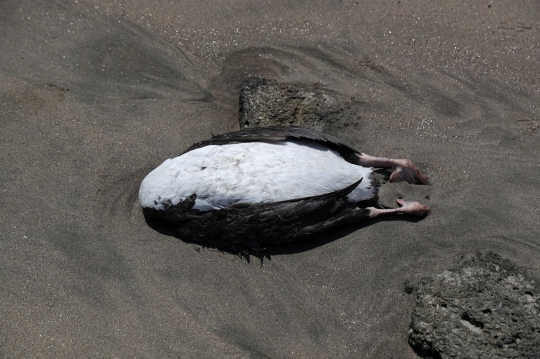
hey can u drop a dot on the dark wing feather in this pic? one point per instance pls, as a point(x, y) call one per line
point(281, 133)
point(182, 211)
point(251, 226)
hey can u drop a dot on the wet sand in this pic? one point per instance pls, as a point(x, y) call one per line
point(93, 96)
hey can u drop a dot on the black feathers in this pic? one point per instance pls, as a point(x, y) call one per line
point(251, 226)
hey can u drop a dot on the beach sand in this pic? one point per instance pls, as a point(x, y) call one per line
point(95, 95)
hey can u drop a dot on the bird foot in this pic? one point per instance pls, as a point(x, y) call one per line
point(404, 170)
point(407, 171)
point(413, 208)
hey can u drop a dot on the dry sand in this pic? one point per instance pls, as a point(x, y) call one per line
point(94, 95)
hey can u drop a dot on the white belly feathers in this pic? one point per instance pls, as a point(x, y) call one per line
point(252, 172)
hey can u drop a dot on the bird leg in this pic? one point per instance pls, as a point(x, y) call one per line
point(413, 208)
point(404, 168)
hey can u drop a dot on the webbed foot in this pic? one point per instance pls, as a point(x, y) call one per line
point(413, 208)
point(404, 168)
point(407, 171)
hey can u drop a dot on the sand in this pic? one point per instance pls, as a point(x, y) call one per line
point(94, 95)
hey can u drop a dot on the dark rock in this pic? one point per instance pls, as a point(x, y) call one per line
point(484, 308)
point(265, 102)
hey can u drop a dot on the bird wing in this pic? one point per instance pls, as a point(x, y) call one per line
point(250, 226)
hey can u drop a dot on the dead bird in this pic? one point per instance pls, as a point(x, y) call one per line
point(257, 187)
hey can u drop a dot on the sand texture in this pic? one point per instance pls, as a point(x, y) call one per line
point(95, 94)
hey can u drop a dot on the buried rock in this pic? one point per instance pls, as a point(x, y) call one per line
point(265, 102)
point(484, 308)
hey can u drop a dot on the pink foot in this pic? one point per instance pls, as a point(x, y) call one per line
point(406, 171)
point(413, 208)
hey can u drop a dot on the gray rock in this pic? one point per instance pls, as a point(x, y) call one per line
point(265, 102)
point(484, 308)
